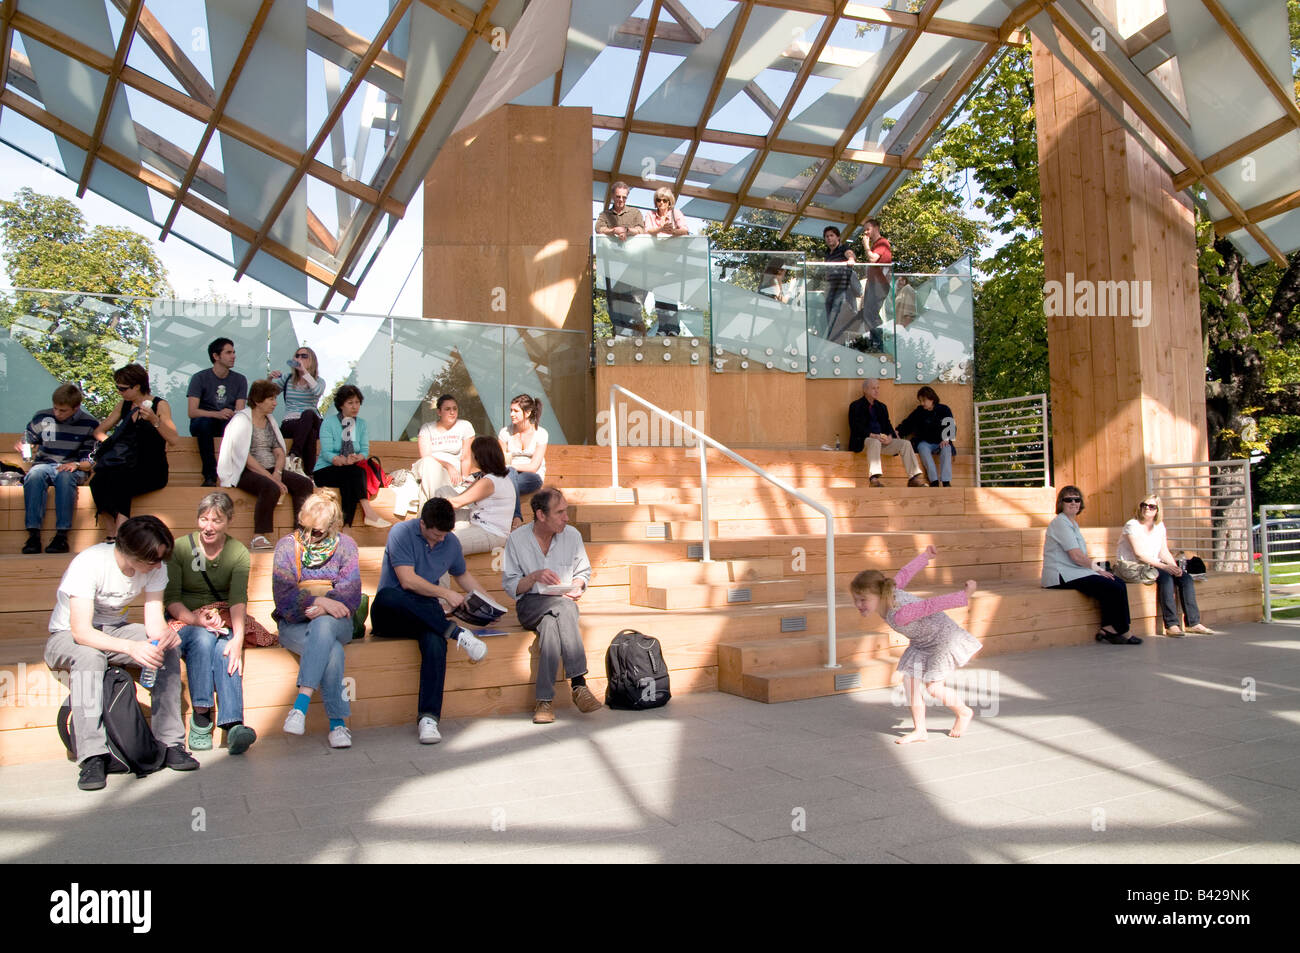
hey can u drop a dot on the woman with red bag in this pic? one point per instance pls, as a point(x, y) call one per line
point(208, 567)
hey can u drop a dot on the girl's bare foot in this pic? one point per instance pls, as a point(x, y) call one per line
point(910, 738)
point(963, 719)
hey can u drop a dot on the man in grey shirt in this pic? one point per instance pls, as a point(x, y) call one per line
point(540, 558)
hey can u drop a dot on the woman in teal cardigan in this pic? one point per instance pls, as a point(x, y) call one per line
point(343, 444)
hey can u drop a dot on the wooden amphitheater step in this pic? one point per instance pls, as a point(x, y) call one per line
point(695, 585)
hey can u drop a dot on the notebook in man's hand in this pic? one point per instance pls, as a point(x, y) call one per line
point(478, 609)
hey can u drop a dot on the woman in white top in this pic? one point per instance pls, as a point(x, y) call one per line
point(524, 445)
point(1143, 540)
point(444, 450)
point(492, 500)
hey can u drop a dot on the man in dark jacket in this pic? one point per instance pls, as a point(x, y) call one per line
point(869, 426)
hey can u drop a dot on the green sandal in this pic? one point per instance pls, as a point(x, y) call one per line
point(239, 738)
point(200, 738)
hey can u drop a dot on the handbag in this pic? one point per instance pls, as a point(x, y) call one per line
point(1136, 572)
point(376, 478)
point(118, 450)
point(255, 634)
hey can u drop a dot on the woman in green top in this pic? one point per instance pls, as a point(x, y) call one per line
point(214, 655)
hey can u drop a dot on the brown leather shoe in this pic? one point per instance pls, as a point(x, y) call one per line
point(875, 481)
point(585, 700)
point(543, 713)
point(918, 480)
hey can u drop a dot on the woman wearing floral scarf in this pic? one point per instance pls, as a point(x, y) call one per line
point(316, 582)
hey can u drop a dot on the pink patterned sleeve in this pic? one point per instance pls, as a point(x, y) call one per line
point(916, 610)
point(905, 574)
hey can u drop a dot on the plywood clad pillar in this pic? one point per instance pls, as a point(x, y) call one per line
point(1127, 388)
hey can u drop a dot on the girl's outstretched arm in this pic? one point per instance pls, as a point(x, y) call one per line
point(905, 574)
point(910, 613)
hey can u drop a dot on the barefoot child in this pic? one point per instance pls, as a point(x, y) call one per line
point(938, 646)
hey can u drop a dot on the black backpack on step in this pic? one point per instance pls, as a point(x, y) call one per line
point(132, 748)
point(636, 672)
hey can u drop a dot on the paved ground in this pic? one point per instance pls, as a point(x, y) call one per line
point(1176, 751)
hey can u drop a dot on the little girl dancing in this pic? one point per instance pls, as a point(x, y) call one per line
point(938, 646)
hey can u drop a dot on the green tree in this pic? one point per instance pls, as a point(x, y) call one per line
point(82, 336)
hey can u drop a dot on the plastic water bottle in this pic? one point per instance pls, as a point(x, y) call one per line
point(149, 675)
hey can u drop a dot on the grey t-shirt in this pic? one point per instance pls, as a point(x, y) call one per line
point(217, 393)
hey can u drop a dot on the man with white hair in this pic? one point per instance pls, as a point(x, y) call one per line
point(869, 427)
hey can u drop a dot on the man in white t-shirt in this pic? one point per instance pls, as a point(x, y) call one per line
point(540, 557)
point(89, 632)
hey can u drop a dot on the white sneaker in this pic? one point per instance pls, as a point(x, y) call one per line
point(472, 645)
point(340, 737)
point(295, 723)
point(261, 544)
point(428, 729)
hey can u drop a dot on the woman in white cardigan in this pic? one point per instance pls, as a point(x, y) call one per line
point(252, 458)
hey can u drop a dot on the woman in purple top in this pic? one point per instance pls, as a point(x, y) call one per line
point(937, 645)
point(316, 582)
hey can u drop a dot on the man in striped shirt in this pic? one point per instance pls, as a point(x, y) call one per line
point(58, 441)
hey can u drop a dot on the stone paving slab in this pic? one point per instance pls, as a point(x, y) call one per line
point(1085, 755)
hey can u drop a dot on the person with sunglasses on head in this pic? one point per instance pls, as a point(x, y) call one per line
point(316, 583)
point(302, 419)
point(1144, 541)
point(89, 632)
point(1066, 565)
point(133, 461)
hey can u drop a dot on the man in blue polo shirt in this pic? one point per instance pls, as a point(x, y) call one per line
point(418, 556)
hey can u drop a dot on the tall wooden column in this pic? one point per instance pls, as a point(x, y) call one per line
point(1126, 389)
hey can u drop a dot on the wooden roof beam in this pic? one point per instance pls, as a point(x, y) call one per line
point(796, 88)
point(891, 68)
point(6, 38)
point(1284, 97)
point(1260, 213)
point(476, 30)
point(335, 114)
point(641, 62)
point(715, 195)
point(1238, 150)
point(172, 56)
point(464, 17)
point(1153, 32)
point(195, 109)
point(354, 43)
point(110, 92)
point(166, 187)
point(218, 110)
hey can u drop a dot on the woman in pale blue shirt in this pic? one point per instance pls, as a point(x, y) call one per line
point(1066, 565)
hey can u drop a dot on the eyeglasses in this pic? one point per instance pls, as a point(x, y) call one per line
point(1149, 506)
point(1072, 499)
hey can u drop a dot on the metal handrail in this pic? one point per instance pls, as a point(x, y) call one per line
point(1266, 564)
point(1030, 418)
point(702, 439)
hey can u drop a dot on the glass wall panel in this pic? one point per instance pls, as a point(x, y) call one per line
point(342, 344)
point(552, 365)
point(933, 328)
point(850, 310)
point(653, 286)
point(758, 310)
point(179, 335)
point(431, 358)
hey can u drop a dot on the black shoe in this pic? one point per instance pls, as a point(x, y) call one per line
point(33, 544)
point(94, 773)
point(947, 483)
point(209, 481)
point(59, 544)
point(934, 483)
point(178, 759)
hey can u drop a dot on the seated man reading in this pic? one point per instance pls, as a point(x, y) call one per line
point(409, 604)
point(546, 572)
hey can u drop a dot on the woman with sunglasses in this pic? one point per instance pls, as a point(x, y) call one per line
point(1144, 541)
point(316, 583)
point(89, 631)
point(134, 461)
point(302, 393)
point(1066, 565)
point(665, 220)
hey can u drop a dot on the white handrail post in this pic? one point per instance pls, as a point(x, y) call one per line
point(1263, 558)
point(1042, 416)
point(613, 445)
point(978, 427)
point(830, 593)
point(704, 500)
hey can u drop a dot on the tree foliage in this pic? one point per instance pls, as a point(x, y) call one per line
point(81, 337)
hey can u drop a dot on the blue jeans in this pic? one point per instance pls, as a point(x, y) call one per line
point(205, 663)
point(1165, 583)
point(398, 614)
point(35, 485)
point(524, 483)
point(205, 431)
point(319, 647)
point(926, 452)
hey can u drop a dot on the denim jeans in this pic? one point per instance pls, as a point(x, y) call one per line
point(319, 647)
point(203, 652)
point(524, 483)
point(398, 614)
point(926, 452)
point(205, 431)
point(1165, 583)
point(35, 485)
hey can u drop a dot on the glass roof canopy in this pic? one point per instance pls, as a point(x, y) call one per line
point(199, 116)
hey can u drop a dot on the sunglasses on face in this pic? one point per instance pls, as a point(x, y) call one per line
point(1149, 506)
point(121, 389)
point(312, 534)
point(1072, 499)
point(302, 357)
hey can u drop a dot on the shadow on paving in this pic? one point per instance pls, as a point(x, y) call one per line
point(1177, 750)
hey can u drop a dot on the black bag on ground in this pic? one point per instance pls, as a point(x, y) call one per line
point(132, 748)
point(636, 673)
